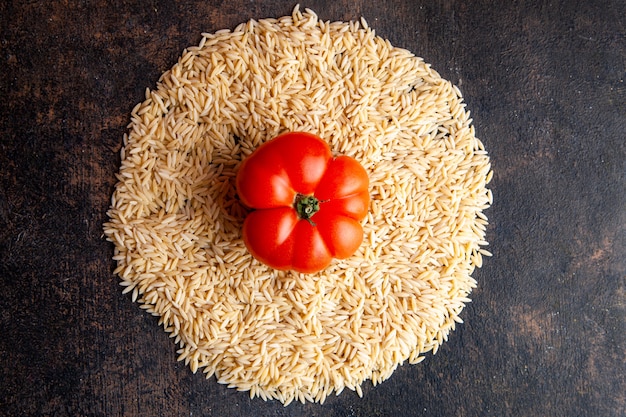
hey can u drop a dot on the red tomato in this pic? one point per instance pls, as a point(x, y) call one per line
point(307, 204)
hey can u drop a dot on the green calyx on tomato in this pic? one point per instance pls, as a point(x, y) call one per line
point(307, 205)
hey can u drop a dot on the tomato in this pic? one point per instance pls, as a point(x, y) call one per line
point(307, 205)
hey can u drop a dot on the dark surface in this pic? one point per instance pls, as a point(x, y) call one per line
point(545, 335)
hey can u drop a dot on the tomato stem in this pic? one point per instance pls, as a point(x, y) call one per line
point(306, 206)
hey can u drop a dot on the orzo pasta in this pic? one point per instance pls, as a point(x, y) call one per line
point(175, 218)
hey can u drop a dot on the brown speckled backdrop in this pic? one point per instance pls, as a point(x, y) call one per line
point(545, 334)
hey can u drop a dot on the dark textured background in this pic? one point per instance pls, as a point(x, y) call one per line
point(545, 335)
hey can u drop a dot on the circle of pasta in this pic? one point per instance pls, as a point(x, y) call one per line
point(175, 218)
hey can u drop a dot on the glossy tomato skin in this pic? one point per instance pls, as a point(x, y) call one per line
point(278, 170)
point(275, 176)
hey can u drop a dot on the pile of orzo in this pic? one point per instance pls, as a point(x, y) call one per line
point(175, 218)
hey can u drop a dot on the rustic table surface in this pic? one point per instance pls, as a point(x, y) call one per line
point(545, 334)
